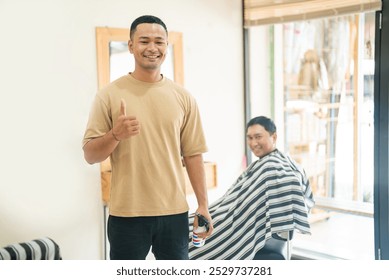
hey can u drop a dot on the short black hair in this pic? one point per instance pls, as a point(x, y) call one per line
point(267, 123)
point(146, 19)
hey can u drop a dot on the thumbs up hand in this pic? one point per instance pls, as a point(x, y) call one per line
point(123, 107)
point(125, 126)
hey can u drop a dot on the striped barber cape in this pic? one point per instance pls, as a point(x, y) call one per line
point(37, 249)
point(271, 196)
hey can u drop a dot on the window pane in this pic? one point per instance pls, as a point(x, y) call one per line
point(328, 124)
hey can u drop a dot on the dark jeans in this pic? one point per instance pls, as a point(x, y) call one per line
point(130, 238)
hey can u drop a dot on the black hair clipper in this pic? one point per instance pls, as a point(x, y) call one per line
point(202, 221)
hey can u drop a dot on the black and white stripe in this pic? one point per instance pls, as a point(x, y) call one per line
point(273, 195)
point(37, 249)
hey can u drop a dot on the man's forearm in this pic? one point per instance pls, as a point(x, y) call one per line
point(195, 168)
point(196, 173)
point(98, 149)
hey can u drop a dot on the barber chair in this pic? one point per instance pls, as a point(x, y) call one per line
point(276, 248)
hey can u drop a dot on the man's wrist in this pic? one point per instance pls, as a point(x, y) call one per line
point(114, 136)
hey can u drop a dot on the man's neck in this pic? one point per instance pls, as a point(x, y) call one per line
point(147, 76)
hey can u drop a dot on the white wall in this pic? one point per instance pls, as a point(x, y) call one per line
point(48, 81)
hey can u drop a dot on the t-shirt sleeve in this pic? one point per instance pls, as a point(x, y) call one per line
point(100, 120)
point(192, 133)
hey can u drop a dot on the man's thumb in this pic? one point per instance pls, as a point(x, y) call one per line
point(123, 107)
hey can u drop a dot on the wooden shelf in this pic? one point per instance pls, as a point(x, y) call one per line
point(210, 176)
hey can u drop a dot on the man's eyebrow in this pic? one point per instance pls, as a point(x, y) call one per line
point(256, 134)
point(148, 37)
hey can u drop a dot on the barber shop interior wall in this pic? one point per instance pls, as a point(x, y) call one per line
point(48, 80)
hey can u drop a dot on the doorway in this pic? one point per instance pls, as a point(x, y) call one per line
point(322, 99)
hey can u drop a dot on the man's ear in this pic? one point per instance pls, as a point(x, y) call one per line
point(130, 46)
point(274, 136)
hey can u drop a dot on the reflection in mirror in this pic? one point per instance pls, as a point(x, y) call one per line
point(121, 61)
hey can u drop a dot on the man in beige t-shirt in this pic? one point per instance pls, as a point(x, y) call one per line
point(147, 124)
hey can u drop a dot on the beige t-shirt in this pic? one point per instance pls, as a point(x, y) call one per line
point(147, 174)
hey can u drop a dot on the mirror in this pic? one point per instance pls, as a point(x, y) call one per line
point(114, 60)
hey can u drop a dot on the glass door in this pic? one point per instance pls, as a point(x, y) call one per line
point(316, 80)
point(329, 129)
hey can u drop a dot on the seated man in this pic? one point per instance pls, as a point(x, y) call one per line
point(272, 196)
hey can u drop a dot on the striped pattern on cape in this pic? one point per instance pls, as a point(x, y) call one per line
point(37, 249)
point(272, 196)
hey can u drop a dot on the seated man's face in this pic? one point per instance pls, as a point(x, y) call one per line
point(260, 141)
